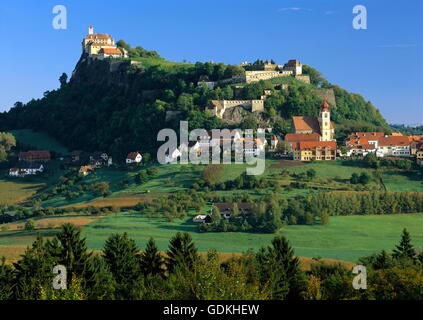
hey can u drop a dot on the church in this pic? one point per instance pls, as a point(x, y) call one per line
point(313, 137)
point(320, 127)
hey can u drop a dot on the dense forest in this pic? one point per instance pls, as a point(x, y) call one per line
point(120, 107)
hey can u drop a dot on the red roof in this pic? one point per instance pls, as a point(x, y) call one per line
point(325, 106)
point(307, 123)
point(132, 155)
point(366, 135)
point(98, 36)
point(35, 155)
point(297, 137)
point(315, 144)
point(394, 141)
point(110, 51)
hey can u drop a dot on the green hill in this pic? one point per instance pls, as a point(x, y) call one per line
point(119, 105)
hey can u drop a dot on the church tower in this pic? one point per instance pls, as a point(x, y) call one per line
point(90, 29)
point(325, 124)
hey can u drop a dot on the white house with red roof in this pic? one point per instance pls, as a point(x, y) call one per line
point(133, 157)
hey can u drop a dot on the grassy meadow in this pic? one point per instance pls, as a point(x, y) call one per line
point(344, 238)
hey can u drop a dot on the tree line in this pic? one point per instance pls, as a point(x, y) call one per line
point(121, 272)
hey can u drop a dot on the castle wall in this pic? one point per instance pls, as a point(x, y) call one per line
point(303, 78)
point(252, 76)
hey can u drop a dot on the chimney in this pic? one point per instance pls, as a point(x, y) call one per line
point(90, 29)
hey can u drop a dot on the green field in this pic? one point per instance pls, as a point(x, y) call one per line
point(12, 192)
point(39, 140)
point(345, 238)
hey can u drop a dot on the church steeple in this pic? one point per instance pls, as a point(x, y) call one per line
point(325, 124)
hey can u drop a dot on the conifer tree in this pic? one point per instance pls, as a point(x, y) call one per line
point(382, 261)
point(405, 249)
point(100, 284)
point(182, 252)
point(70, 250)
point(121, 255)
point(280, 269)
point(33, 271)
point(151, 260)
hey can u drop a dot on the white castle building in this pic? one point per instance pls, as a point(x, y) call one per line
point(101, 45)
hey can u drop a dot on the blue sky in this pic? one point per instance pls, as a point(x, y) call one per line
point(383, 63)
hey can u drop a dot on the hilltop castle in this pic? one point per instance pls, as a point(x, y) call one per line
point(101, 46)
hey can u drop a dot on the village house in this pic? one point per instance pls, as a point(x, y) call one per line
point(415, 144)
point(294, 138)
point(173, 155)
point(202, 218)
point(28, 168)
point(85, 170)
point(35, 155)
point(398, 145)
point(357, 138)
point(133, 157)
point(419, 155)
point(362, 150)
point(315, 150)
point(394, 146)
point(226, 209)
point(99, 159)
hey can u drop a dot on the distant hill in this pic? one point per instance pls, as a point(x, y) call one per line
point(120, 105)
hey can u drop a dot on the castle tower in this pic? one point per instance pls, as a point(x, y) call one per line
point(324, 121)
point(90, 29)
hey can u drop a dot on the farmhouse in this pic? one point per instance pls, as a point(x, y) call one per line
point(85, 170)
point(133, 157)
point(226, 209)
point(29, 168)
point(202, 218)
point(35, 155)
